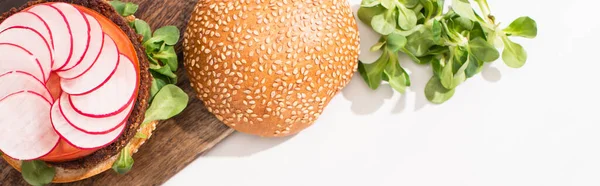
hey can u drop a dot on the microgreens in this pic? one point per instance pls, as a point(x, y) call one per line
point(456, 43)
point(166, 99)
point(37, 173)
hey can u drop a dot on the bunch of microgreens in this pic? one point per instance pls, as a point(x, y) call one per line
point(166, 99)
point(456, 43)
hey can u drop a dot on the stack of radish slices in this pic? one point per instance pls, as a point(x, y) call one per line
point(96, 83)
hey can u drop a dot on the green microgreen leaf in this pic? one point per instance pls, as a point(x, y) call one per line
point(383, 23)
point(410, 3)
point(366, 14)
point(141, 135)
point(157, 84)
point(514, 55)
point(168, 56)
point(436, 31)
point(396, 76)
point(407, 19)
point(483, 50)
point(167, 34)
point(372, 73)
point(370, 3)
point(37, 172)
point(477, 32)
point(119, 6)
point(377, 46)
point(388, 4)
point(464, 9)
point(129, 9)
point(395, 42)
point(124, 163)
point(475, 66)
point(522, 27)
point(168, 102)
point(436, 93)
point(142, 28)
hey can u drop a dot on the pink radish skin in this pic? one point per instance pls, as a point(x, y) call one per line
point(78, 138)
point(33, 41)
point(95, 47)
point(31, 135)
point(91, 125)
point(20, 59)
point(21, 81)
point(61, 33)
point(32, 20)
point(112, 97)
point(80, 32)
point(98, 74)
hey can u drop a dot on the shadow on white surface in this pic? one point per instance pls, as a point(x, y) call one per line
point(419, 76)
point(491, 73)
point(365, 100)
point(242, 145)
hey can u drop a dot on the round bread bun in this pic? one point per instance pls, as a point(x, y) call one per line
point(104, 158)
point(64, 175)
point(269, 68)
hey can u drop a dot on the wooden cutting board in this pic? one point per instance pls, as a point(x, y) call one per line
point(176, 142)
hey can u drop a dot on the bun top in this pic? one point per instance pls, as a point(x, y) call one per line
point(269, 68)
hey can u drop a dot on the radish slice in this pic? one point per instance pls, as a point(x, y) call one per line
point(78, 138)
point(80, 32)
point(61, 33)
point(98, 74)
point(19, 60)
point(14, 82)
point(27, 130)
point(32, 41)
point(112, 97)
point(92, 125)
point(32, 21)
point(95, 46)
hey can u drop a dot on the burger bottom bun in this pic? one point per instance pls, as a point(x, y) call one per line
point(72, 175)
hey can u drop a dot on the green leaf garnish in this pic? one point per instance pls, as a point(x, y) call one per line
point(456, 43)
point(167, 34)
point(124, 9)
point(142, 28)
point(483, 50)
point(522, 27)
point(125, 161)
point(168, 102)
point(37, 173)
point(436, 92)
point(514, 55)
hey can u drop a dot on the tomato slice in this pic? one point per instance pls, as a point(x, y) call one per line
point(64, 151)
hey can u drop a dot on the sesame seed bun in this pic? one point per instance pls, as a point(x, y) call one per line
point(103, 159)
point(269, 69)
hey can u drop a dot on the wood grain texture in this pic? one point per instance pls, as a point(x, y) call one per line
point(176, 142)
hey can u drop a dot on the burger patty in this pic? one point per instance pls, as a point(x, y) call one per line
point(137, 115)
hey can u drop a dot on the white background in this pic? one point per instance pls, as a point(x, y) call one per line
point(538, 125)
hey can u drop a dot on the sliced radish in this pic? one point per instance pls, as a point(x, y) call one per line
point(27, 131)
point(19, 59)
point(92, 54)
point(30, 19)
point(80, 32)
point(78, 138)
point(98, 74)
point(32, 41)
point(92, 125)
point(61, 33)
point(13, 82)
point(112, 97)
